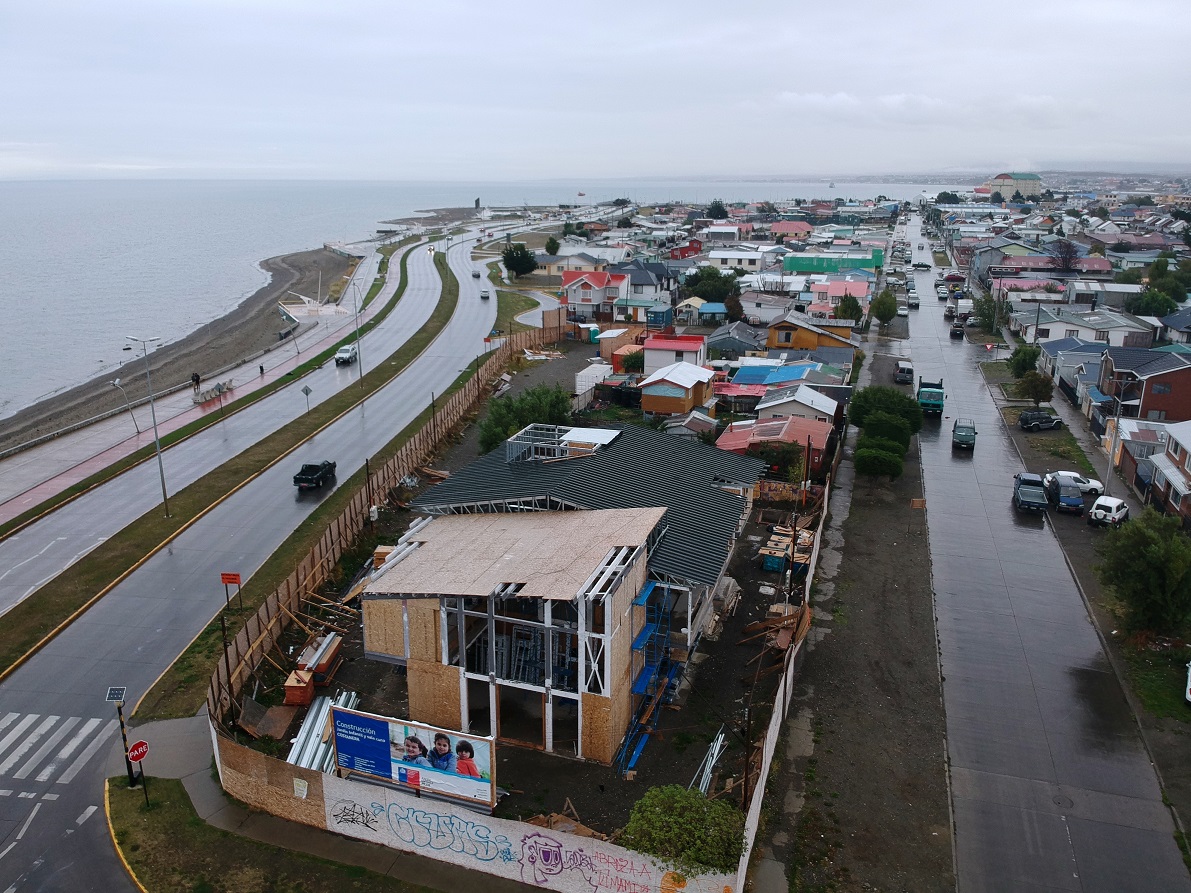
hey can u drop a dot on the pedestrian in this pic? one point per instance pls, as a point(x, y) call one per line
point(194, 380)
point(262, 369)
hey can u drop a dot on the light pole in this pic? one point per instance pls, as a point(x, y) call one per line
point(144, 343)
point(359, 353)
point(116, 384)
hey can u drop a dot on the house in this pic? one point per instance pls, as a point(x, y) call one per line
point(556, 265)
point(748, 259)
point(688, 310)
point(799, 331)
point(741, 399)
point(834, 261)
point(760, 308)
point(793, 230)
point(594, 293)
point(676, 389)
point(689, 248)
point(1144, 384)
point(693, 425)
point(749, 435)
point(1101, 294)
point(1028, 185)
point(1172, 474)
point(1176, 327)
point(1111, 327)
point(1073, 364)
point(801, 401)
point(736, 339)
point(712, 313)
point(664, 350)
point(646, 278)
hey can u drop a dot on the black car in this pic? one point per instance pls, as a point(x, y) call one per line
point(957, 330)
point(1037, 420)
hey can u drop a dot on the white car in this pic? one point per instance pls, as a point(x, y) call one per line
point(903, 310)
point(1108, 510)
point(1087, 486)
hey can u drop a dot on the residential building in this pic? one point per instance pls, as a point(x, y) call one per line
point(735, 339)
point(593, 293)
point(798, 331)
point(664, 350)
point(816, 438)
point(1144, 384)
point(1172, 474)
point(800, 401)
point(1112, 327)
point(677, 389)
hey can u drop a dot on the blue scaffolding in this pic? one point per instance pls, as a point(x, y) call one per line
point(658, 672)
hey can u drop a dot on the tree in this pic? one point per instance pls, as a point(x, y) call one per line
point(621, 202)
point(884, 399)
point(545, 405)
point(1128, 277)
point(686, 830)
point(785, 460)
point(518, 260)
point(1017, 197)
point(1151, 302)
point(849, 308)
point(552, 246)
point(716, 210)
point(1023, 359)
point(892, 447)
point(883, 425)
point(1065, 254)
point(766, 208)
point(1101, 212)
point(734, 307)
point(1145, 201)
point(711, 285)
point(624, 222)
point(947, 198)
point(985, 310)
point(1120, 246)
point(996, 198)
point(884, 307)
point(878, 463)
point(1158, 269)
point(1036, 386)
point(1148, 562)
point(633, 362)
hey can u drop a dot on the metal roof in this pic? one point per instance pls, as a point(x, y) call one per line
point(640, 468)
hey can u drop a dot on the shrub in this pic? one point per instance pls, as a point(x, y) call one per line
point(881, 444)
point(888, 426)
point(878, 463)
point(685, 829)
point(882, 398)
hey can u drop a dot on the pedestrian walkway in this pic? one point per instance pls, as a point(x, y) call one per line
point(37, 750)
point(32, 476)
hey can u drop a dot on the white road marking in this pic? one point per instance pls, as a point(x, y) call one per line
point(5, 793)
point(59, 734)
point(49, 796)
point(86, 814)
point(95, 744)
point(26, 795)
point(8, 719)
point(3, 853)
point(32, 738)
point(16, 731)
point(25, 827)
point(79, 737)
point(47, 548)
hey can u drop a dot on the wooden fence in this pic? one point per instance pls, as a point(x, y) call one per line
point(259, 635)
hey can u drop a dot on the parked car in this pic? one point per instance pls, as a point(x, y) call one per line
point(1028, 493)
point(1037, 419)
point(963, 434)
point(1064, 497)
point(912, 301)
point(903, 310)
point(1088, 486)
point(957, 330)
point(1108, 510)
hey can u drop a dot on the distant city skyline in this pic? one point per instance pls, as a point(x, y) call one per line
point(460, 91)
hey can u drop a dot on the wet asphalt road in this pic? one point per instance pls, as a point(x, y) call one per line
point(1051, 786)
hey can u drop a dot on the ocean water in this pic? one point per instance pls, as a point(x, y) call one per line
point(85, 263)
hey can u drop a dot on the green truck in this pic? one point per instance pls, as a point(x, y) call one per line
point(930, 396)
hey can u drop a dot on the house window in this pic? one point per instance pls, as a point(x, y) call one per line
point(1175, 449)
point(1071, 333)
point(1161, 389)
point(752, 261)
point(678, 356)
point(1102, 336)
point(637, 289)
point(1156, 415)
point(785, 337)
point(1044, 333)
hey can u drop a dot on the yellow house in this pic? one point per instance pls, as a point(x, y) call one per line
point(801, 332)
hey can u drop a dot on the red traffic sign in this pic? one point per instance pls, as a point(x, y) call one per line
point(137, 752)
point(233, 579)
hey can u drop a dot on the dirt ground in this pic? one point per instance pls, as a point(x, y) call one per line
point(235, 338)
point(864, 804)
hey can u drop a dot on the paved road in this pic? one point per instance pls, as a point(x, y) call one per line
point(54, 724)
point(1051, 786)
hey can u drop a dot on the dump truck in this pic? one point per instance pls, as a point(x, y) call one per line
point(312, 476)
point(930, 396)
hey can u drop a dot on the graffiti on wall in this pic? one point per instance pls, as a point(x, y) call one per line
point(544, 857)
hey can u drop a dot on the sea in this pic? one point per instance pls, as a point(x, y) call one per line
point(86, 263)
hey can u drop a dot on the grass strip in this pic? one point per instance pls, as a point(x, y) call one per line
point(29, 623)
point(168, 847)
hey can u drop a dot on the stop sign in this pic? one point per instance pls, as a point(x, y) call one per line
point(137, 752)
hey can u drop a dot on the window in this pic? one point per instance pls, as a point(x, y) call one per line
point(1102, 336)
point(1071, 333)
point(1175, 449)
point(752, 261)
point(678, 356)
point(1043, 333)
point(785, 337)
point(1156, 415)
point(638, 289)
point(1161, 388)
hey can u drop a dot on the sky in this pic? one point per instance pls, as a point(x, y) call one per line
point(444, 90)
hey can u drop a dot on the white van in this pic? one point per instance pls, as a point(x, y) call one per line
point(904, 374)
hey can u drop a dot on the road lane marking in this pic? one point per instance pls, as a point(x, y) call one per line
point(12, 736)
point(49, 796)
point(97, 743)
point(8, 719)
point(32, 738)
point(3, 853)
point(25, 827)
point(79, 737)
point(51, 742)
point(86, 814)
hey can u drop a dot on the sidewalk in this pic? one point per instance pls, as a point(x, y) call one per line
point(32, 476)
point(181, 748)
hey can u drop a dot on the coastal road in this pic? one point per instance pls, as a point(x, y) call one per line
point(55, 728)
point(1051, 786)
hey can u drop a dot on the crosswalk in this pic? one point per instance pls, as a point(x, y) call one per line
point(40, 748)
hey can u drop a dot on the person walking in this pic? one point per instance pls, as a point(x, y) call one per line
point(194, 380)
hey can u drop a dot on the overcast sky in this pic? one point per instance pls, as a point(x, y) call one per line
point(438, 90)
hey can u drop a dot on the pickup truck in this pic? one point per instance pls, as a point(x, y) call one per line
point(930, 396)
point(1028, 493)
point(313, 476)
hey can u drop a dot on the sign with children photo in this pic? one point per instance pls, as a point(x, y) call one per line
point(421, 757)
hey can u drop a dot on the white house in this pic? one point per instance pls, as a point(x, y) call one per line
point(799, 401)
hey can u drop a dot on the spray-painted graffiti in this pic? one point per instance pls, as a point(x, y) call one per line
point(544, 857)
point(445, 832)
point(349, 812)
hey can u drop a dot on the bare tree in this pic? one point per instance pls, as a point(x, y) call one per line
point(1066, 254)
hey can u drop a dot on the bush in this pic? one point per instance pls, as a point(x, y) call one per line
point(878, 463)
point(888, 426)
point(685, 829)
point(1148, 563)
point(1024, 359)
point(881, 398)
point(892, 447)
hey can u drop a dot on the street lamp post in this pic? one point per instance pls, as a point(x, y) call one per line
point(359, 352)
point(144, 343)
point(116, 384)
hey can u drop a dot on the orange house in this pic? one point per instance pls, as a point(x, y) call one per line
point(801, 332)
point(677, 389)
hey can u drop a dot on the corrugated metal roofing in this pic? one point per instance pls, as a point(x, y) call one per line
point(640, 468)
